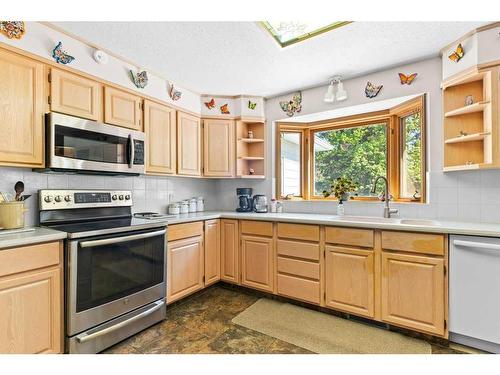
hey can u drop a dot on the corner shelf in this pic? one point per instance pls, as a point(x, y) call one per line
point(251, 158)
point(250, 152)
point(252, 176)
point(466, 167)
point(251, 140)
point(467, 138)
point(476, 107)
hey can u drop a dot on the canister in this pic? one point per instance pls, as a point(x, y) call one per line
point(12, 215)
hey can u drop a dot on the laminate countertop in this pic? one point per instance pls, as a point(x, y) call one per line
point(40, 235)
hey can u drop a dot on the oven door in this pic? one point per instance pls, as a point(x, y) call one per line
point(108, 276)
point(78, 144)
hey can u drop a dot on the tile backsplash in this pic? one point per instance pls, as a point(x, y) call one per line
point(150, 193)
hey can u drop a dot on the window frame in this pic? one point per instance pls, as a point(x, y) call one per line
point(391, 117)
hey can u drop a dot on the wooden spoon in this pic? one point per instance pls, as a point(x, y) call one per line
point(19, 188)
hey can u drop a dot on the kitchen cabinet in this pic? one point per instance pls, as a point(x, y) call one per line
point(230, 259)
point(219, 148)
point(257, 262)
point(185, 261)
point(122, 108)
point(212, 251)
point(160, 129)
point(21, 111)
point(31, 290)
point(189, 145)
point(75, 95)
point(413, 292)
point(349, 280)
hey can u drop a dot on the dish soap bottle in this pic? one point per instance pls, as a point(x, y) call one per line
point(340, 209)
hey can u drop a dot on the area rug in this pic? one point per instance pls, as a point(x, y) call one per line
point(324, 333)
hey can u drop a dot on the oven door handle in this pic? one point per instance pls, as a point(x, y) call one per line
point(131, 151)
point(109, 241)
point(87, 337)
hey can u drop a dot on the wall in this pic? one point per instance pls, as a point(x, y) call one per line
point(470, 196)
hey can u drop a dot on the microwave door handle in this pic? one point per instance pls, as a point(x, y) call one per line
point(87, 337)
point(131, 151)
point(114, 240)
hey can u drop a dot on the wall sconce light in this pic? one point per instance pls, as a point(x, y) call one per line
point(330, 95)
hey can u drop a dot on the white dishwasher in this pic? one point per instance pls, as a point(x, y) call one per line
point(474, 289)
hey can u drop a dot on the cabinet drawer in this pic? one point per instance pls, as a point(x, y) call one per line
point(298, 231)
point(28, 258)
point(180, 231)
point(299, 268)
point(259, 228)
point(425, 243)
point(298, 249)
point(350, 236)
point(294, 287)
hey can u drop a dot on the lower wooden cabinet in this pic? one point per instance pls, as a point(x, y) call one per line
point(350, 280)
point(230, 251)
point(413, 292)
point(257, 259)
point(185, 262)
point(212, 251)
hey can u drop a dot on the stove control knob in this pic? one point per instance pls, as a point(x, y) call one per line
point(121, 197)
point(48, 198)
point(114, 197)
point(127, 197)
point(58, 198)
point(67, 198)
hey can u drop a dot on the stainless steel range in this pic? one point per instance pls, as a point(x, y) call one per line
point(114, 266)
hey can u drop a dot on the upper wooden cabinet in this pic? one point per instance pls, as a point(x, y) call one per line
point(122, 109)
point(21, 111)
point(413, 292)
point(74, 95)
point(160, 129)
point(219, 148)
point(212, 251)
point(230, 260)
point(189, 145)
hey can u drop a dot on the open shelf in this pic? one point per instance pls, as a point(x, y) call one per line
point(251, 140)
point(250, 152)
point(251, 157)
point(466, 167)
point(467, 138)
point(467, 78)
point(252, 176)
point(476, 107)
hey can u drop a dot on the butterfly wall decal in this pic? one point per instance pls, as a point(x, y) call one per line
point(371, 90)
point(174, 93)
point(12, 29)
point(61, 56)
point(457, 54)
point(251, 105)
point(140, 79)
point(292, 106)
point(224, 110)
point(407, 79)
point(210, 104)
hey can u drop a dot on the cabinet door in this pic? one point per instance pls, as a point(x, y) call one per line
point(74, 95)
point(122, 108)
point(349, 280)
point(160, 129)
point(413, 292)
point(257, 257)
point(21, 111)
point(185, 262)
point(188, 145)
point(230, 260)
point(212, 251)
point(30, 312)
point(219, 148)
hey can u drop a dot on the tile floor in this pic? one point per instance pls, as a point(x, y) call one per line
point(201, 324)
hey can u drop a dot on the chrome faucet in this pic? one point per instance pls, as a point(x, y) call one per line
point(387, 210)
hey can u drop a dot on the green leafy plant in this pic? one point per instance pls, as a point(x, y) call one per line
point(340, 188)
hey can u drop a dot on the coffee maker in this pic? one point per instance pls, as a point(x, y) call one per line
point(244, 199)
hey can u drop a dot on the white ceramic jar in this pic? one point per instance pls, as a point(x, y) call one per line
point(184, 207)
point(200, 204)
point(174, 208)
point(192, 205)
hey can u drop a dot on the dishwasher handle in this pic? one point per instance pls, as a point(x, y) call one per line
point(477, 245)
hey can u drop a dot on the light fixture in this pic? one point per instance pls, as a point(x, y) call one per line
point(330, 95)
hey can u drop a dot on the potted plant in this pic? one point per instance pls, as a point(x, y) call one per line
point(341, 188)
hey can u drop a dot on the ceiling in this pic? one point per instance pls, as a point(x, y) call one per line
point(232, 58)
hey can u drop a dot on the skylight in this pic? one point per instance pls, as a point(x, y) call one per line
point(290, 32)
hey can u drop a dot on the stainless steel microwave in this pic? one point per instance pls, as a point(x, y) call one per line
point(85, 146)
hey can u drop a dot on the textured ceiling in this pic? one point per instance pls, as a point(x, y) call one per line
point(231, 58)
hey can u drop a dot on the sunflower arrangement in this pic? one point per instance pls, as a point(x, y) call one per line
point(340, 188)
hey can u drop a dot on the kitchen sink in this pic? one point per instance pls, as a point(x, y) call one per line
point(369, 219)
point(419, 222)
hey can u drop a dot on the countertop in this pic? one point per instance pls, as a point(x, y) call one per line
point(40, 235)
